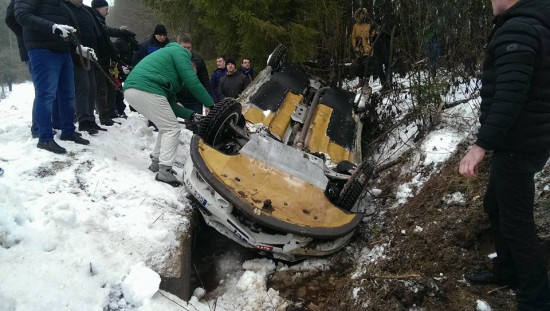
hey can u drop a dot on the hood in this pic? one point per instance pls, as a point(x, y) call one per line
point(537, 9)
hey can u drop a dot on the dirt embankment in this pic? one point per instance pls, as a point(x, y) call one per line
point(424, 247)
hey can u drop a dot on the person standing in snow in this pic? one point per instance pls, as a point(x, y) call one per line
point(46, 36)
point(107, 58)
point(218, 73)
point(158, 40)
point(246, 69)
point(151, 88)
point(361, 36)
point(233, 83)
point(515, 125)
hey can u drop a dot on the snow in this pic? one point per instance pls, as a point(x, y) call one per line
point(93, 229)
point(140, 284)
point(482, 305)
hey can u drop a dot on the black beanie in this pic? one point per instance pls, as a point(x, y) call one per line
point(99, 3)
point(230, 60)
point(160, 30)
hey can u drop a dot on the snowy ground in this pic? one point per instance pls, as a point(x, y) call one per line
point(81, 230)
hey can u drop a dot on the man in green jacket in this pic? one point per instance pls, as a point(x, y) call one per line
point(151, 89)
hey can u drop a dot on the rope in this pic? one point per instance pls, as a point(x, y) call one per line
point(86, 62)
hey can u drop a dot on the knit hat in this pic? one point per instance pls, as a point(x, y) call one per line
point(230, 60)
point(160, 30)
point(99, 3)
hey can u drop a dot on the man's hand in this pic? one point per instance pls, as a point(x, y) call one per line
point(469, 165)
point(196, 118)
point(62, 30)
point(87, 52)
point(126, 70)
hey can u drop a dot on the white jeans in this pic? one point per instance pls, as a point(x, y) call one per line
point(157, 109)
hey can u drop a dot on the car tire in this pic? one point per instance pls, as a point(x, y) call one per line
point(214, 128)
point(277, 58)
point(355, 185)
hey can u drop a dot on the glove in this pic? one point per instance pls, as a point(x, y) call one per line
point(125, 69)
point(128, 33)
point(196, 118)
point(87, 52)
point(62, 30)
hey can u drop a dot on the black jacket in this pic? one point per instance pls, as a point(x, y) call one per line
point(17, 29)
point(37, 18)
point(515, 106)
point(126, 47)
point(147, 47)
point(184, 95)
point(232, 85)
point(106, 49)
point(92, 32)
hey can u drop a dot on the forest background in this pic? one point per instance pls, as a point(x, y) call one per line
point(316, 33)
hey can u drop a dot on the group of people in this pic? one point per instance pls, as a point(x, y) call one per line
point(170, 81)
point(77, 71)
point(69, 52)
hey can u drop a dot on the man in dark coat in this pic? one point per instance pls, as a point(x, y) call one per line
point(125, 47)
point(107, 59)
point(17, 30)
point(218, 73)
point(247, 70)
point(185, 97)
point(91, 33)
point(233, 83)
point(158, 40)
point(515, 125)
point(46, 36)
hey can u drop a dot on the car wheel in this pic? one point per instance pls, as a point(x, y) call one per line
point(224, 126)
point(277, 57)
point(355, 185)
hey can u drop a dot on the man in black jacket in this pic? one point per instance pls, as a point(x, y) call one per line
point(157, 40)
point(125, 47)
point(46, 36)
point(107, 59)
point(91, 33)
point(233, 83)
point(515, 125)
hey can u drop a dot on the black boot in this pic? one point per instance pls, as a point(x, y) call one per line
point(487, 277)
point(76, 138)
point(52, 146)
point(97, 127)
point(87, 126)
point(108, 122)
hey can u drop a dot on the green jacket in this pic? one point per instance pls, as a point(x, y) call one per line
point(164, 72)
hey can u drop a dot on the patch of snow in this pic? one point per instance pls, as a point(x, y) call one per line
point(482, 305)
point(456, 198)
point(140, 284)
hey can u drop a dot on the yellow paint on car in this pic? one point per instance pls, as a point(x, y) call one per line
point(273, 192)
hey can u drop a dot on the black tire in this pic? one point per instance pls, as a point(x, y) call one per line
point(277, 57)
point(355, 185)
point(214, 128)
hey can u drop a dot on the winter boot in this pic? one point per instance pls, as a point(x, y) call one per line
point(154, 167)
point(165, 174)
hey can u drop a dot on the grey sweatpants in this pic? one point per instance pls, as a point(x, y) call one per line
point(157, 109)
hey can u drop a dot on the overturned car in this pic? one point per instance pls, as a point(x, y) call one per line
point(279, 169)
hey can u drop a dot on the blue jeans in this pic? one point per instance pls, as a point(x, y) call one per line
point(53, 78)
